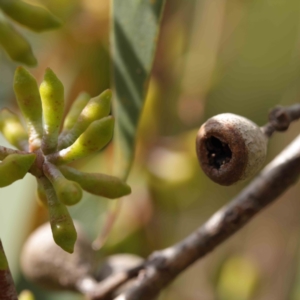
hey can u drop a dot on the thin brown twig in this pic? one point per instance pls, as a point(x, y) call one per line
point(7, 287)
point(164, 266)
point(280, 118)
point(104, 288)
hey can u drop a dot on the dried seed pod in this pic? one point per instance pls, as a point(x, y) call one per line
point(230, 148)
point(46, 264)
point(98, 184)
point(31, 16)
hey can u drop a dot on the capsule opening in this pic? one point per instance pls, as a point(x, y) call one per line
point(218, 152)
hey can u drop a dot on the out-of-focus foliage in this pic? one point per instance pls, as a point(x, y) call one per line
point(213, 56)
point(31, 16)
point(134, 35)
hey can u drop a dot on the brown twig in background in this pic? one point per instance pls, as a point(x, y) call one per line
point(7, 287)
point(164, 266)
point(104, 288)
point(280, 118)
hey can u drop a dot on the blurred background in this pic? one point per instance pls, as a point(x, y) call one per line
point(213, 56)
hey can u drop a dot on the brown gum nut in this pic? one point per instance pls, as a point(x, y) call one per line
point(230, 148)
point(46, 264)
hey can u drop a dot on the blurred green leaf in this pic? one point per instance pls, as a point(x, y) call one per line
point(134, 35)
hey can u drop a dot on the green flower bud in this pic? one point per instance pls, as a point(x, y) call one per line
point(98, 184)
point(98, 134)
point(15, 167)
point(63, 229)
point(34, 17)
point(75, 110)
point(29, 101)
point(68, 192)
point(17, 48)
point(97, 108)
point(52, 95)
point(12, 129)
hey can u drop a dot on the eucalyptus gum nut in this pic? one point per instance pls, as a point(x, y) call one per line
point(29, 101)
point(98, 184)
point(12, 129)
point(47, 265)
point(15, 167)
point(52, 95)
point(230, 148)
point(75, 110)
point(17, 48)
point(98, 134)
point(34, 17)
point(97, 108)
point(68, 192)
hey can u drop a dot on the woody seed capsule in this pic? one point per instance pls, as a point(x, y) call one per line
point(230, 148)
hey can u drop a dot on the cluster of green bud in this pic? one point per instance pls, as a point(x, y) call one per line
point(33, 17)
point(43, 149)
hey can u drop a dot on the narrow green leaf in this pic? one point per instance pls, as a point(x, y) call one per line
point(134, 37)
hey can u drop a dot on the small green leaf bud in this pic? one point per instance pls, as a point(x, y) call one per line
point(52, 95)
point(75, 110)
point(230, 148)
point(17, 48)
point(63, 230)
point(34, 17)
point(12, 129)
point(29, 101)
point(98, 134)
point(15, 167)
point(98, 184)
point(97, 108)
point(68, 192)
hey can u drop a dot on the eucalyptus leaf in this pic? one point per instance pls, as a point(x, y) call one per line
point(135, 29)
